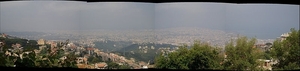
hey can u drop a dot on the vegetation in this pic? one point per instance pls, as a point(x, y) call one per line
point(11, 57)
point(133, 51)
point(200, 56)
point(113, 65)
point(43, 59)
point(240, 55)
point(94, 59)
point(287, 52)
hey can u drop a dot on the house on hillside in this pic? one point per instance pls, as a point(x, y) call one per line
point(144, 67)
point(263, 47)
point(81, 60)
point(90, 50)
point(265, 64)
point(101, 65)
point(3, 35)
point(284, 36)
point(41, 42)
point(81, 66)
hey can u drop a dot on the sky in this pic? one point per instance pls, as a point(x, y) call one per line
point(203, 15)
point(71, 15)
point(260, 20)
point(118, 16)
point(39, 15)
point(266, 21)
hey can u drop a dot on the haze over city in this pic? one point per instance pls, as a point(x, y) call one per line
point(135, 35)
point(265, 21)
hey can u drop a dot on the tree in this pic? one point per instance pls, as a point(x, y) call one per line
point(112, 65)
point(93, 59)
point(200, 56)
point(124, 67)
point(241, 55)
point(286, 52)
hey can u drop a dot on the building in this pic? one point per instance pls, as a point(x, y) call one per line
point(284, 36)
point(265, 64)
point(16, 46)
point(41, 42)
point(144, 67)
point(82, 66)
point(90, 50)
point(79, 60)
point(101, 65)
point(3, 35)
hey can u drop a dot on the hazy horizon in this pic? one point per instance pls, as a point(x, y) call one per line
point(260, 20)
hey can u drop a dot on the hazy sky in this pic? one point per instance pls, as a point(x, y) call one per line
point(205, 15)
point(65, 15)
point(260, 20)
point(109, 15)
point(265, 21)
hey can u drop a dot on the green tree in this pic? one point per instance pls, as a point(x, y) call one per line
point(112, 65)
point(241, 55)
point(286, 52)
point(124, 67)
point(95, 59)
point(200, 56)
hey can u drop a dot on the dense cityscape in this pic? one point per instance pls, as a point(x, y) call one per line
point(174, 36)
point(130, 35)
point(85, 41)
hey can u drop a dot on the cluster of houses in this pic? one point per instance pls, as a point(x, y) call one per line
point(86, 52)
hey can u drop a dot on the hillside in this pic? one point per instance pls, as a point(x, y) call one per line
point(108, 45)
point(143, 52)
point(9, 41)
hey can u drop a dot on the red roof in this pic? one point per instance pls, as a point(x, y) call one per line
point(90, 48)
point(101, 65)
point(73, 47)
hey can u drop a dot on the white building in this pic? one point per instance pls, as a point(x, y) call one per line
point(144, 67)
point(284, 36)
point(266, 64)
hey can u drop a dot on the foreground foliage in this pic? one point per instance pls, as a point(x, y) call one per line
point(239, 54)
point(200, 56)
point(287, 52)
